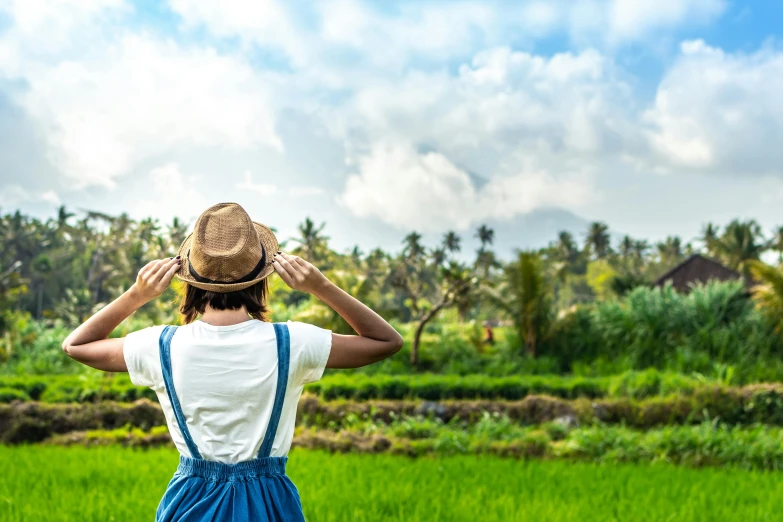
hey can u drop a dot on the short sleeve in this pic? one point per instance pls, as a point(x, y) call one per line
point(310, 347)
point(142, 357)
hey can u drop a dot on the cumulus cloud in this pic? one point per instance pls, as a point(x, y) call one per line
point(444, 117)
point(571, 101)
point(720, 112)
point(169, 192)
point(546, 124)
point(144, 97)
point(426, 191)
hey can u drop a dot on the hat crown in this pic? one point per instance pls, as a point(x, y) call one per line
point(227, 251)
point(225, 245)
point(223, 230)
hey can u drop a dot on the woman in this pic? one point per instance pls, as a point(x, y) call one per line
point(229, 382)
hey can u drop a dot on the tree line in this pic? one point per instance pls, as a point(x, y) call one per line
point(67, 266)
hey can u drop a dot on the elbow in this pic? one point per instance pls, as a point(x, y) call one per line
point(67, 348)
point(395, 345)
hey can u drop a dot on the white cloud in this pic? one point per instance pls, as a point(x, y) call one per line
point(443, 124)
point(622, 22)
point(143, 97)
point(266, 22)
point(426, 191)
point(720, 112)
point(12, 196)
point(171, 193)
point(535, 129)
point(575, 103)
point(631, 20)
point(262, 188)
point(46, 28)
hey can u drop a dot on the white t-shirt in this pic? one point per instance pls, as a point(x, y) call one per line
point(225, 378)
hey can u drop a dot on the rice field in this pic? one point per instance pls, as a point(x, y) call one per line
point(42, 483)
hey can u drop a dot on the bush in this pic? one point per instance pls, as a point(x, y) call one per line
point(12, 394)
point(713, 326)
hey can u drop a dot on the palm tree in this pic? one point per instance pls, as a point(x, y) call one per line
point(640, 249)
point(768, 294)
point(356, 256)
point(312, 244)
point(740, 243)
point(709, 237)
point(598, 242)
point(451, 242)
point(525, 297)
point(62, 217)
point(177, 232)
point(776, 243)
point(485, 258)
point(566, 250)
point(486, 235)
point(439, 256)
point(670, 251)
point(413, 248)
point(626, 246)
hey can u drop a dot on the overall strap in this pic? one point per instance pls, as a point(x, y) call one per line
point(283, 350)
point(165, 365)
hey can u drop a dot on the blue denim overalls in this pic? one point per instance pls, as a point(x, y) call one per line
point(254, 490)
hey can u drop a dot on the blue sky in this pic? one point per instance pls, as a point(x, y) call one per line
point(655, 116)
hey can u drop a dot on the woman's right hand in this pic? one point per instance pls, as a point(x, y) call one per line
point(299, 274)
point(154, 278)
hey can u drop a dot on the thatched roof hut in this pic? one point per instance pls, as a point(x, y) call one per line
point(695, 270)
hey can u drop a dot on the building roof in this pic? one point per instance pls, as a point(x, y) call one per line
point(695, 270)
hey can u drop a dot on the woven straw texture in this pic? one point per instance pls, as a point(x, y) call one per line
point(226, 246)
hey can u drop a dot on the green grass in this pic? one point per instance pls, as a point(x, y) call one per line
point(52, 484)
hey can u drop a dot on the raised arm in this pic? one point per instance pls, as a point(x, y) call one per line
point(377, 339)
point(89, 343)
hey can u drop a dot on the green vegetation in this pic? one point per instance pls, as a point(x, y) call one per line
point(706, 444)
point(97, 386)
point(566, 308)
point(586, 362)
point(757, 404)
point(47, 484)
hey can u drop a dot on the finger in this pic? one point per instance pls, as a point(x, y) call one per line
point(291, 268)
point(146, 268)
point(296, 260)
point(170, 274)
point(149, 275)
point(164, 266)
point(281, 271)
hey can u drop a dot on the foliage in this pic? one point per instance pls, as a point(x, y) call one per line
point(560, 300)
point(769, 292)
point(740, 243)
point(660, 328)
point(97, 386)
point(524, 296)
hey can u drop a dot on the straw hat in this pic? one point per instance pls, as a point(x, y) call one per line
point(226, 251)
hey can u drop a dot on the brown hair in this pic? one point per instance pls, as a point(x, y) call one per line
point(253, 298)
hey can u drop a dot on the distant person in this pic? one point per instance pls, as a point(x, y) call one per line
point(489, 336)
point(229, 382)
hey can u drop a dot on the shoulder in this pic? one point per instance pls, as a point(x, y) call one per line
point(310, 347)
point(145, 336)
point(304, 329)
point(140, 350)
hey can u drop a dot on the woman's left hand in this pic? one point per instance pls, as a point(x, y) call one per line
point(155, 277)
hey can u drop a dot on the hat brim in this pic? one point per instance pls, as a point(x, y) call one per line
point(268, 241)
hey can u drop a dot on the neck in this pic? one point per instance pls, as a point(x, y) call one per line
point(224, 317)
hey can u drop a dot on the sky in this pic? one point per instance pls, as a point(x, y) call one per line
point(379, 118)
